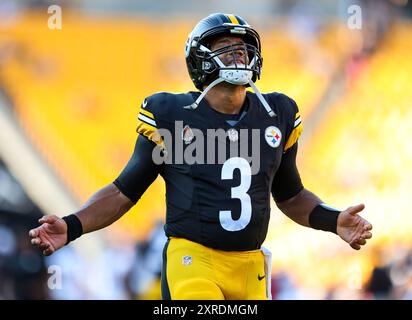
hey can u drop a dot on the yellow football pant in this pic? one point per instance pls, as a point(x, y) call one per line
point(192, 271)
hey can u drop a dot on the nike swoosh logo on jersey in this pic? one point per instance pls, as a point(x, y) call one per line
point(261, 277)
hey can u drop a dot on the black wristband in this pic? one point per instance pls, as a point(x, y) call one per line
point(74, 227)
point(324, 218)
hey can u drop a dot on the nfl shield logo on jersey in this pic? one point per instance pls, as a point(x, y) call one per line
point(273, 136)
point(233, 135)
point(187, 260)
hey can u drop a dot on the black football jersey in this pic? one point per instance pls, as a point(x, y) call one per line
point(219, 197)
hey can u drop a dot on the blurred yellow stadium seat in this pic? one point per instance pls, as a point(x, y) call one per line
point(77, 93)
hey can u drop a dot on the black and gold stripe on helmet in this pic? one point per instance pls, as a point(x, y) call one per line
point(234, 19)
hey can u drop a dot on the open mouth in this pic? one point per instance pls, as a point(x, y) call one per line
point(237, 61)
point(240, 61)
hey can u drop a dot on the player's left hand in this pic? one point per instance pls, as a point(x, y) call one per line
point(352, 228)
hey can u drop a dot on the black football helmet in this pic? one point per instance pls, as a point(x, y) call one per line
point(204, 65)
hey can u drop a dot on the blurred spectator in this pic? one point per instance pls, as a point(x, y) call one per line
point(9, 12)
point(144, 278)
point(22, 268)
point(377, 17)
point(401, 276)
point(380, 284)
point(283, 287)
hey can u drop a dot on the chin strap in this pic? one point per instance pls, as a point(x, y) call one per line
point(195, 104)
point(262, 99)
point(220, 79)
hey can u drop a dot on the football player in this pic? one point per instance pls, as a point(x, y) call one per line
point(217, 208)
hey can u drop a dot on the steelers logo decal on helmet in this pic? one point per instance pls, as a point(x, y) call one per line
point(273, 136)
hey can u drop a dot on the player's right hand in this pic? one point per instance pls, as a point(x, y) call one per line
point(50, 236)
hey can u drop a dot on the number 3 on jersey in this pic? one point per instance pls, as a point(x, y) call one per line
point(239, 192)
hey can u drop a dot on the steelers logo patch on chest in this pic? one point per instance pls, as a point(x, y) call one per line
point(273, 136)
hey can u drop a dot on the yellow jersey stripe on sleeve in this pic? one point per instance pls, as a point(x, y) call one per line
point(294, 136)
point(149, 132)
point(298, 121)
point(147, 120)
point(147, 113)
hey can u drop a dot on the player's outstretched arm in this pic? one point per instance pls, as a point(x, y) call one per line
point(102, 209)
point(308, 210)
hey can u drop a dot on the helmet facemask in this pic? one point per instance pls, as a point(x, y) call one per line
point(232, 71)
point(207, 69)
